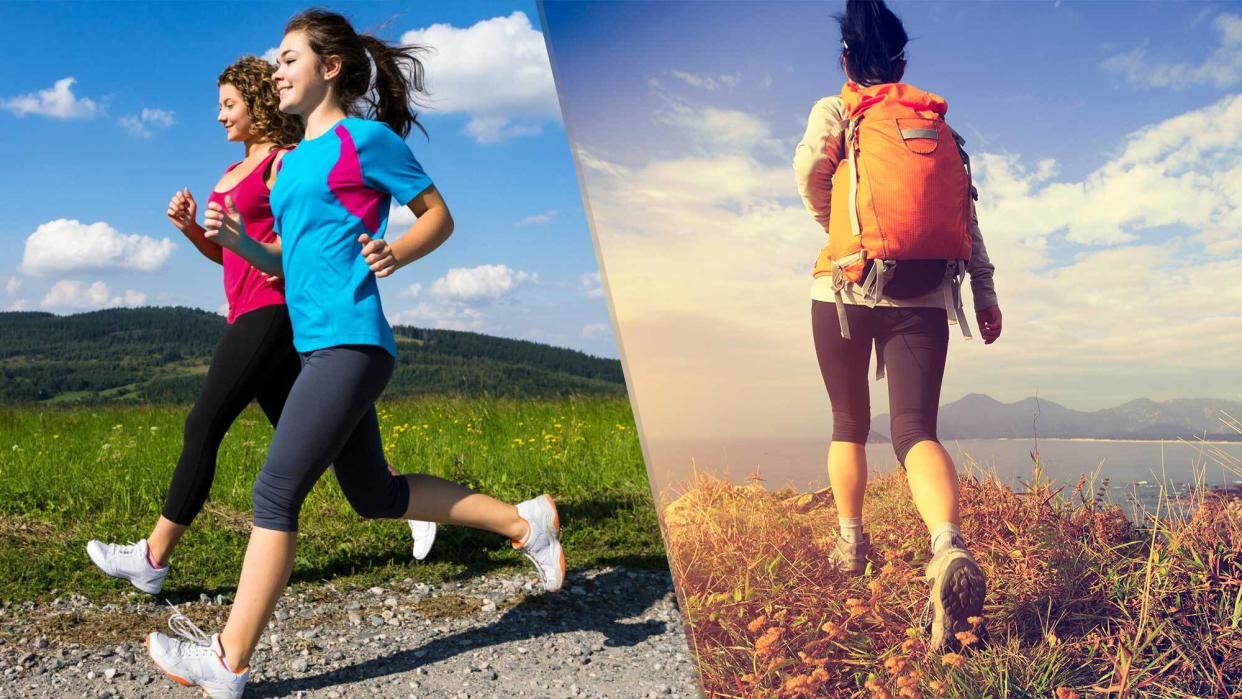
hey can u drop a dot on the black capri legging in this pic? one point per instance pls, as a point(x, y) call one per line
point(913, 343)
point(254, 359)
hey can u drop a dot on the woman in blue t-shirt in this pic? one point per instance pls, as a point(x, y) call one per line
point(330, 206)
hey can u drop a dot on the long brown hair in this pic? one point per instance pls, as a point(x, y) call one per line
point(252, 76)
point(398, 72)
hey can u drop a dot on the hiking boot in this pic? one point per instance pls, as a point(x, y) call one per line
point(957, 591)
point(543, 546)
point(128, 562)
point(851, 559)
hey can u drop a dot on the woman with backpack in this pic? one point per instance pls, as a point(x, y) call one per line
point(330, 207)
point(886, 177)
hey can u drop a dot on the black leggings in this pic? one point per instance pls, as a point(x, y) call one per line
point(254, 359)
point(913, 343)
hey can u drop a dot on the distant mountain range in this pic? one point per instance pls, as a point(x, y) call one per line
point(977, 416)
point(161, 355)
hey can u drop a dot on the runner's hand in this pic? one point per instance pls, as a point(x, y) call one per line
point(183, 211)
point(378, 255)
point(989, 324)
point(223, 227)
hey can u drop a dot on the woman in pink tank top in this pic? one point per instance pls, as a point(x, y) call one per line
point(255, 358)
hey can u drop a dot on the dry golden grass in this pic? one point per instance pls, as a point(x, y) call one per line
point(1080, 601)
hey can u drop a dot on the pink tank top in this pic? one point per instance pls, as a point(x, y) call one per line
point(246, 287)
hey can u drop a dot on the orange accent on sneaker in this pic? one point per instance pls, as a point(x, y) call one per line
point(179, 680)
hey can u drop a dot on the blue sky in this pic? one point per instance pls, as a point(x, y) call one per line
point(138, 122)
point(1107, 144)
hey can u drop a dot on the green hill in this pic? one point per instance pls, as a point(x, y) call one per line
point(161, 355)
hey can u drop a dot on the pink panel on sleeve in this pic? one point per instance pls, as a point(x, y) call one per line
point(345, 181)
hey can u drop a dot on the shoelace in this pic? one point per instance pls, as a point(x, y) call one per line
point(181, 625)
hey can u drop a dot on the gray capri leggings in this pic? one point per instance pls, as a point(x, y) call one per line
point(329, 418)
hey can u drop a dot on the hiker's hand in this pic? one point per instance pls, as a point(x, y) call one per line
point(378, 255)
point(224, 227)
point(183, 211)
point(270, 278)
point(989, 324)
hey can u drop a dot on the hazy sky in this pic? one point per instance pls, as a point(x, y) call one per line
point(106, 109)
point(1107, 144)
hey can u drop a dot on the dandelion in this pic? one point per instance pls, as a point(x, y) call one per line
point(913, 632)
point(908, 645)
point(953, 660)
point(820, 675)
point(757, 624)
point(895, 664)
point(1064, 692)
point(1052, 639)
point(909, 693)
point(974, 620)
point(935, 685)
point(830, 628)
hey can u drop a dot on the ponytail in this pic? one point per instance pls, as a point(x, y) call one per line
point(873, 42)
point(398, 77)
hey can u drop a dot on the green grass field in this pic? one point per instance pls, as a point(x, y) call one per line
point(71, 474)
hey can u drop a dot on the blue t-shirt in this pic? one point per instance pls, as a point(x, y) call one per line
point(332, 189)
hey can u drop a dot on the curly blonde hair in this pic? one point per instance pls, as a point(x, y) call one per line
point(252, 76)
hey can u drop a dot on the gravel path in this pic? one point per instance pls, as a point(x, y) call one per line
point(609, 633)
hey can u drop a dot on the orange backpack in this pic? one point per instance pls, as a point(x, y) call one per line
point(902, 192)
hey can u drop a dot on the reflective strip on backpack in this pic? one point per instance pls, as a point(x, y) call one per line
point(907, 134)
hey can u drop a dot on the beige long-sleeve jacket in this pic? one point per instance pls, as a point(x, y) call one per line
point(815, 159)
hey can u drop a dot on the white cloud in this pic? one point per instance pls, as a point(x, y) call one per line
point(69, 245)
point(12, 285)
point(18, 305)
point(590, 281)
point(706, 82)
point(413, 290)
point(1222, 68)
point(140, 124)
point(68, 293)
point(596, 330)
point(538, 219)
point(271, 55)
point(443, 316)
point(57, 101)
point(494, 129)
point(400, 218)
point(719, 130)
point(223, 309)
point(482, 283)
point(497, 71)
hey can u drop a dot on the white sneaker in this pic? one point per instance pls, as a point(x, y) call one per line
point(197, 661)
point(424, 534)
point(543, 546)
point(128, 562)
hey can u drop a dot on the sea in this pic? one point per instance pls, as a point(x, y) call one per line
point(1133, 473)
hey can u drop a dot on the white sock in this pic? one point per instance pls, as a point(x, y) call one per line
point(942, 536)
point(851, 529)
